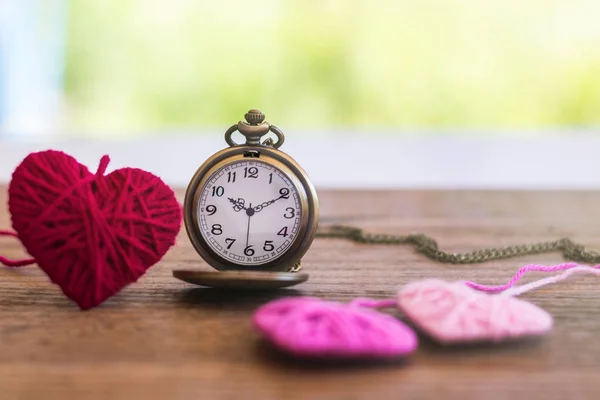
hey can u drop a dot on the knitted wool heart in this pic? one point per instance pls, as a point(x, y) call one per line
point(92, 234)
point(453, 313)
point(309, 327)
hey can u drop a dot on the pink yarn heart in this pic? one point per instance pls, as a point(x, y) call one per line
point(454, 313)
point(309, 327)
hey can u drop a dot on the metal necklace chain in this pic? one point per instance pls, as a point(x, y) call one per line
point(428, 246)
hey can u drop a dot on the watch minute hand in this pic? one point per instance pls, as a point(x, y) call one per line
point(267, 203)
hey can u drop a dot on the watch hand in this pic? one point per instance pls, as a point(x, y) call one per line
point(238, 205)
point(250, 213)
point(267, 203)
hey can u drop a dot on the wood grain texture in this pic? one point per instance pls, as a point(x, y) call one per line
point(163, 338)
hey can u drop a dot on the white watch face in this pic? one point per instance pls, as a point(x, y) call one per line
point(249, 212)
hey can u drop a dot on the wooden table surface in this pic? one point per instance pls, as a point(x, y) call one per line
point(162, 338)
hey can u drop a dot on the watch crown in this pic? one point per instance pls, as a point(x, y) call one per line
point(253, 129)
point(254, 117)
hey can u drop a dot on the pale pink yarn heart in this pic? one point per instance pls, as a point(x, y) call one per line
point(454, 313)
point(309, 327)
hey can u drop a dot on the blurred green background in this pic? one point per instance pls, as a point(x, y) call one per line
point(141, 65)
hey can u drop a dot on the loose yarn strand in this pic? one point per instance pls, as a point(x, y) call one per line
point(371, 303)
point(14, 263)
point(581, 269)
point(520, 273)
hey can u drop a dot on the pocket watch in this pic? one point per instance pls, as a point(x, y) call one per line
point(250, 211)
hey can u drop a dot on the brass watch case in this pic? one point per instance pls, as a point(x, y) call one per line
point(269, 155)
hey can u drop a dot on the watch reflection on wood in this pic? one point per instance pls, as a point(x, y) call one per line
point(250, 211)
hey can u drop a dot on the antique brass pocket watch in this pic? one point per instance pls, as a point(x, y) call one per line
point(250, 211)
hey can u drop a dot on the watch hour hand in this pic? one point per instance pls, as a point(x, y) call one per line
point(238, 205)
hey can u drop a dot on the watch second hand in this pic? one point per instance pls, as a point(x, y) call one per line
point(249, 217)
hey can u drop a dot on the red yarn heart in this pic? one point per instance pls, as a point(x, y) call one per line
point(92, 234)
